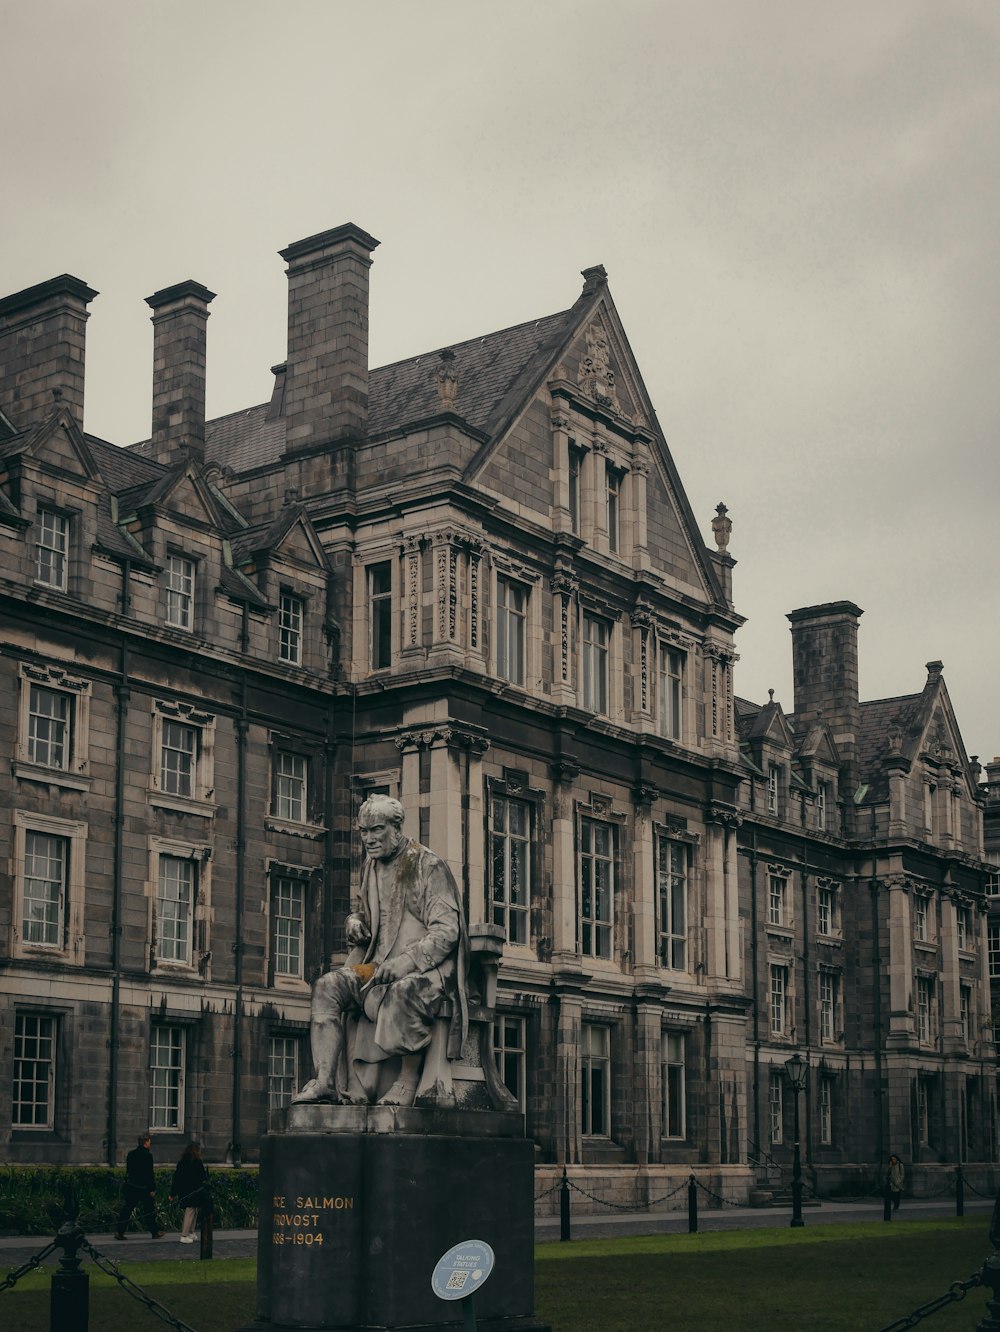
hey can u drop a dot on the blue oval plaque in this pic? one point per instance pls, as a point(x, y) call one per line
point(462, 1270)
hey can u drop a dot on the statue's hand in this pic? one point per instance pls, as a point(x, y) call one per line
point(394, 969)
point(355, 931)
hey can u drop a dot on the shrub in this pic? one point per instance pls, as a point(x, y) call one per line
point(36, 1200)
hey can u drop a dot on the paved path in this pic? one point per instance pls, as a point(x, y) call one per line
point(15, 1250)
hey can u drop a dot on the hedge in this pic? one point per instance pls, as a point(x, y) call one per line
point(36, 1200)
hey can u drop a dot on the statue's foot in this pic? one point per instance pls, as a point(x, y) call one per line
point(400, 1093)
point(315, 1092)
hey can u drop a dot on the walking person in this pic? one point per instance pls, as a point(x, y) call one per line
point(140, 1190)
point(894, 1178)
point(188, 1188)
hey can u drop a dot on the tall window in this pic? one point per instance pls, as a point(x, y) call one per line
point(923, 1111)
point(46, 879)
point(290, 774)
point(963, 924)
point(33, 1099)
point(512, 606)
point(595, 1074)
point(510, 861)
point(826, 1111)
point(822, 804)
point(166, 1067)
point(49, 718)
point(920, 925)
point(827, 910)
point(674, 1094)
point(282, 1076)
point(510, 1052)
point(575, 467)
point(180, 592)
point(925, 999)
point(774, 1107)
point(175, 895)
point(779, 1001)
point(380, 616)
point(670, 692)
point(993, 947)
point(829, 1003)
point(776, 890)
point(290, 616)
point(178, 758)
point(51, 549)
point(597, 887)
point(773, 782)
point(288, 900)
point(965, 1012)
point(613, 507)
point(596, 638)
point(672, 893)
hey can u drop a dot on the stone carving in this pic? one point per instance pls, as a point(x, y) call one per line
point(596, 377)
point(399, 1009)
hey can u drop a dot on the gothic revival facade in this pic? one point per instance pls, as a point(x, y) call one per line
point(472, 580)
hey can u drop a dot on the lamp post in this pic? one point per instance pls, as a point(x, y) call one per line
point(797, 1070)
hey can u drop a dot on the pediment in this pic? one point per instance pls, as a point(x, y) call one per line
point(59, 442)
point(301, 544)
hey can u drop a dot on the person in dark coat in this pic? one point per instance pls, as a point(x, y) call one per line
point(188, 1188)
point(140, 1190)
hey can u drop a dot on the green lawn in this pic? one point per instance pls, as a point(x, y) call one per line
point(825, 1277)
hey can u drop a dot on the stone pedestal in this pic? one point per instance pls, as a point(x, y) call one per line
point(358, 1203)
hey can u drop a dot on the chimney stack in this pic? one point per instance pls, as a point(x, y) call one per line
point(326, 394)
point(825, 671)
point(180, 315)
point(42, 349)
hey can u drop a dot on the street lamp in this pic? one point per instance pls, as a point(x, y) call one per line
point(797, 1070)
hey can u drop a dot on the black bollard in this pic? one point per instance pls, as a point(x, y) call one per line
point(692, 1206)
point(959, 1192)
point(206, 1233)
point(69, 1300)
point(564, 1207)
point(887, 1204)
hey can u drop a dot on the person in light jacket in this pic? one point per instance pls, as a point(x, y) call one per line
point(894, 1178)
point(188, 1188)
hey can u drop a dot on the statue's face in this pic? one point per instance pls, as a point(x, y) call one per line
point(380, 839)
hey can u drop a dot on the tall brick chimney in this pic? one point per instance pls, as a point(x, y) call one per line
point(179, 319)
point(326, 393)
point(42, 349)
point(825, 670)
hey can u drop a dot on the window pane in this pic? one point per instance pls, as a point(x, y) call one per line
point(34, 1071)
point(380, 616)
point(166, 1078)
point(282, 1075)
point(290, 630)
point(180, 592)
point(46, 863)
point(174, 899)
point(290, 787)
point(289, 911)
point(48, 727)
point(51, 545)
point(177, 760)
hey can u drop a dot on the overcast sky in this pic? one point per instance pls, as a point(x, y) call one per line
point(797, 203)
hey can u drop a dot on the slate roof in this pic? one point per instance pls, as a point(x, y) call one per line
point(493, 374)
point(877, 716)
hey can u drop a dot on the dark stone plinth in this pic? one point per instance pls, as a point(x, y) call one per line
point(356, 1212)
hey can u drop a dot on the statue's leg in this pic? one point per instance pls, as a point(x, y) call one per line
point(333, 994)
point(404, 1088)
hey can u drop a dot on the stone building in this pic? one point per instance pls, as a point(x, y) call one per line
point(470, 579)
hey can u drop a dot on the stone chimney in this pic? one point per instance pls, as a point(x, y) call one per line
point(326, 390)
point(42, 347)
point(825, 671)
point(180, 315)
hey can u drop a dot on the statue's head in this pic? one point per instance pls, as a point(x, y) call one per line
point(380, 822)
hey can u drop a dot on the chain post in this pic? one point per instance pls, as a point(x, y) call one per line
point(69, 1299)
point(959, 1192)
point(886, 1204)
point(692, 1206)
point(206, 1233)
point(564, 1207)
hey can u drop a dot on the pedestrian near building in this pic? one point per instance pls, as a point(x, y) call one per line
point(188, 1188)
point(894, 1178)
point(140, 1190)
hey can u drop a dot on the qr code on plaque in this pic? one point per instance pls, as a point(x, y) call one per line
point(457, 1281)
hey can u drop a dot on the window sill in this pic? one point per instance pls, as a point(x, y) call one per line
point(780, 931)
point(205, 809)
point(830, 940)
point(291, 984)
point(46, 953)
point(311, 831)
point(924, 946)
point(34, 772)
point(164, 968)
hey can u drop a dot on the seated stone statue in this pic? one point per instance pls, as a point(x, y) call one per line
point(410, 956)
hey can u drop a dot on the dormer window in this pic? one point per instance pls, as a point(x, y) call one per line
point(822, 804)
point(773, 787)
point(180, 592)
point(290, 616)
point(51, 549)
point(671, 692)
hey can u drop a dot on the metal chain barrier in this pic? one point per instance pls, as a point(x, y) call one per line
point(16, 1273)
point(548, 1192)
point(956, 1291)
point(109, 1268)
point(978, 1192)
point(716, 1197)
point(626, 1207)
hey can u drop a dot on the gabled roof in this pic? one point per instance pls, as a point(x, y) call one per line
point(268, 537)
